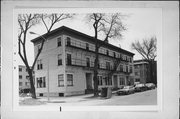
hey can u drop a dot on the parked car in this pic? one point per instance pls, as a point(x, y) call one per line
point(126, 90)
point(140, 87)
point(150, 86)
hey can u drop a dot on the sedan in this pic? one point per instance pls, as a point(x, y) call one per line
point(140, 87)
point(126, 90)
point(150, 86)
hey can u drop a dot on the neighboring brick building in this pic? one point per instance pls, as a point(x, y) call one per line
point(68, 58)
point(142, 73)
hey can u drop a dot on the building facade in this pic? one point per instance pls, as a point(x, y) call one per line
point(142, 71)
point(24, 82)
point(65, 65)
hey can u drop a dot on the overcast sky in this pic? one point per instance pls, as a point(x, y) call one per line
point(141, 23)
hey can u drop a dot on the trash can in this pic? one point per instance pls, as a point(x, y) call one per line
point(103, 92)
point(109, 92)
point(106, 92)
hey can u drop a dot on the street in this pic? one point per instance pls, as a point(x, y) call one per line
point(140, 98)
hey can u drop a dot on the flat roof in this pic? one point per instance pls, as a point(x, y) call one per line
point(69, 30)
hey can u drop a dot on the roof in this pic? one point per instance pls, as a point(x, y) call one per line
point(72, 31)
point(143, 61)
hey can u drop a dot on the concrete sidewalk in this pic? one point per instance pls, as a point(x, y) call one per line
point(141, 98)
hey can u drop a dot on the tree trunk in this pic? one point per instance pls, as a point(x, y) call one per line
point(33, 92)
point(95, 78)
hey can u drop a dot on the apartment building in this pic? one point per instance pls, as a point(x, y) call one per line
point(142, 72)
point(65, 65)
point(24, 83)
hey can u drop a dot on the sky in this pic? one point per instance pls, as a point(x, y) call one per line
point(141, 23)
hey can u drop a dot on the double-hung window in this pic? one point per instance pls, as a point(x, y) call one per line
point(39, 64)
point(20, 69)
point(41, 82)
point(69, 80)
point(59, 41)
point(60, 80)
point(59, 59)
point(20, 76)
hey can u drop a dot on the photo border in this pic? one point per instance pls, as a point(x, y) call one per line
point(16, 106)
point(172, 102)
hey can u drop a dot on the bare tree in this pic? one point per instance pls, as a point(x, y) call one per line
point(147, 49)
point(49, 20)
point(111, 26)
point(26, 21)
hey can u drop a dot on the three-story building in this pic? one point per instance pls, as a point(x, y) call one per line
point(65, 65)
point(24, 83)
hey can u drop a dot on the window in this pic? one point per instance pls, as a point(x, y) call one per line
point(20, 69)
point(20, 83)
point(121, 81)
point(44, 81)
point(87, 46)
point(130, 59)
point(107, 52)
point(100, 81)
point(69, 80)
point(27, 83)
point(20, 76)
point(27, 77)
point(127, 69)
point(131, 69)
point(121, 68)
point(114, 54)
point(68, 59)
point(59, 41)
point(41, 82)
point(108, 65)
point(88, 62)
point(59, 59)
point(60, 80)
point(108, 81)
point(136, 73)
point(39, 64)
point(68, 41)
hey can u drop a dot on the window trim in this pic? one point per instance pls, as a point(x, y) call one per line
point(20, 76)
point(59, 41)
point(59, 59)
point(72, 79)
point(20, 69)
point(39, 64)
point(43, 85)
point(60, 80)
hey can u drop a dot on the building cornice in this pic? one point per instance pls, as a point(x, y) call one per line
point(69, 30)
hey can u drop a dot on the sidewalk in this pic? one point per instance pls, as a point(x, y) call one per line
point(141, 98)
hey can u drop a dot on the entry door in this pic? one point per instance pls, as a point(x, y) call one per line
point(115, 80)
point(89, 81)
